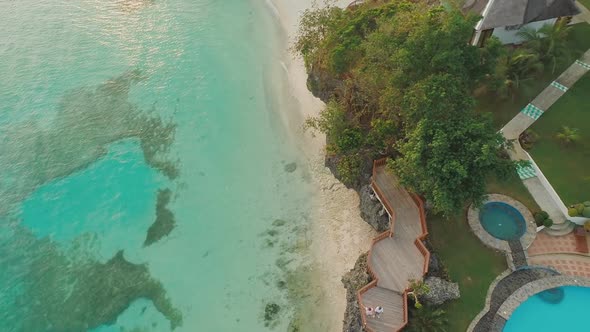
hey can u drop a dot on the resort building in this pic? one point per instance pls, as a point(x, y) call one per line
point(505, 18)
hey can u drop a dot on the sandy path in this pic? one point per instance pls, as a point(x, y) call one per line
point(339, 235)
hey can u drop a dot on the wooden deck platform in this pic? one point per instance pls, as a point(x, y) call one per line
point(396, 256)
point(393, 313)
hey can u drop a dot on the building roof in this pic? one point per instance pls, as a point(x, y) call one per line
point(501, 13)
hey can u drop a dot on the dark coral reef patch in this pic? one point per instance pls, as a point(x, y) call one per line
point(165, 222)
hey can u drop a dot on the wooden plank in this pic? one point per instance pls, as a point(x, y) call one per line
point(396, 262)
point(392, 318)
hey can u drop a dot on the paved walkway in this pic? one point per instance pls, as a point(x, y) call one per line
point(531, 175)
point(547, 244)
point(561, 253)
point(584, 16)
point(396, 256)
point(568, 264)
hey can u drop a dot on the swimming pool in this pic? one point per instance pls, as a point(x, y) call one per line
point(502, 221)
point(537, 314)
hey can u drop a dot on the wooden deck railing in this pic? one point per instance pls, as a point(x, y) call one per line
point(377, 163)
point(359, 299)
point(405, 311)
point(417, 242)
point(423, 250)
point(382, 199)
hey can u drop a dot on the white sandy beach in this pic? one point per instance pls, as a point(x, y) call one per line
point(339, 235)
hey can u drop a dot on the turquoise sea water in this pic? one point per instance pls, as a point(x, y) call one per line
point(105, 105)
point(535, 314)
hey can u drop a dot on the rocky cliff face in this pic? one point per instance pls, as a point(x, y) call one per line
point(372, 211)
point(323, 85)
point(354, 280)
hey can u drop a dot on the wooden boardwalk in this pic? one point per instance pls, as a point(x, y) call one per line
point(397, 255)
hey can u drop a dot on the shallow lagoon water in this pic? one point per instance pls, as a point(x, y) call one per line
point(103, 104)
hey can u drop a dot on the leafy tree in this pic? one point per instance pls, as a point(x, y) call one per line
point(448, 160)
point(402, 74)
point(568, 135)
point(349, 168)
point(331, 121)
point(382, 135)
point(427, 320)
point(316, 25)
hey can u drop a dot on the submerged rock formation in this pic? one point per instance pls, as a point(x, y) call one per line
point(372, 211)
point(354, 280)
point(51, 290)
point(165, 222)
point(440, 292)
point(86, 121)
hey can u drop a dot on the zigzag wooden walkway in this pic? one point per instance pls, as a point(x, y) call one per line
point(396, 256)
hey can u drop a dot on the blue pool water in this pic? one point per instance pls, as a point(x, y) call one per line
point(539, 315)
point(502, 221)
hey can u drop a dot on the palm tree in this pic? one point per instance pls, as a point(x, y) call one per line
point(518, 67)
point(549, 42)
point(568, 135)
point(427, 320)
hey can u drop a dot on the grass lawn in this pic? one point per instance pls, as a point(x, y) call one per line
point(566, 167)
point(504, 110)
point(514, 188)
point(470, 263)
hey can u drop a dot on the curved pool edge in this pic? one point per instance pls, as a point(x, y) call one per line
point(500, 316)
point(497, 244)
point(502, 220)
point(535, 287)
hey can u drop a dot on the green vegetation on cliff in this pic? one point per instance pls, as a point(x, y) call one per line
point(399, 78)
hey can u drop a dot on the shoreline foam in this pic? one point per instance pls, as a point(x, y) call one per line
point(338, 233)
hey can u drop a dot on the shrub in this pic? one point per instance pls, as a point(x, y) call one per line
point(528, 138)
point(350, 139)
point(349, 169)
point(544, 214)
point(572, 212)
point(586, 212)
point(540, 217)
point(586, 203)
point(548, 222)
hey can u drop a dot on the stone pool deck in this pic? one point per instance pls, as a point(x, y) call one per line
point(537, 262)
point(515, 250)
point(561, 253)
point(548, 244)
